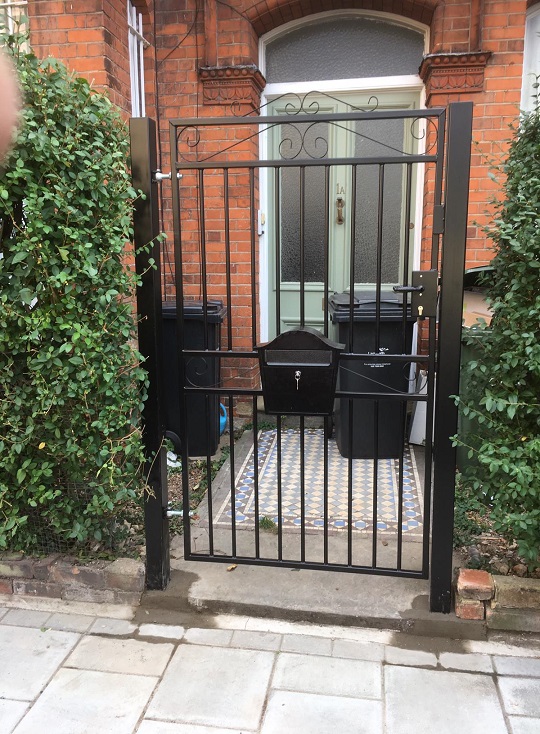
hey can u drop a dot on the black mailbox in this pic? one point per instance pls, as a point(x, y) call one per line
point(299, 373)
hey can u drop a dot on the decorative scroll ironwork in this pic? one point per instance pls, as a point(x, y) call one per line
point(302, 137)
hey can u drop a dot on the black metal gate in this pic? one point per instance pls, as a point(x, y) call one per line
point(341, 227)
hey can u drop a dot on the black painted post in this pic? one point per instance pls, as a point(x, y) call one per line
point(458, 158)
point(146, 229)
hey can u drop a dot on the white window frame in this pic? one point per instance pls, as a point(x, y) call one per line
point(410, 82)
point(11, 11)
point(136, 44)
point(531, 57)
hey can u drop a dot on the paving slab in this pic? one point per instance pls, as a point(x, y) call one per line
point(328, 676)
point(358, 650)
point(162, 727)
point(121, 656)
point(304, 712)
point(403, 656)
point(25, 618)
point(34, 656)
point(3, 612)
point(505, 665)
point(213, 685)
point(109, 626)
point(520, 695)
point(419, 700)
point(216, 637)
point(83, 701)
point(304, 644)
point(256, 640)
point(69, 622)
point(11, 712)
point(471, 662)
point(165, 631)
point(524, 725)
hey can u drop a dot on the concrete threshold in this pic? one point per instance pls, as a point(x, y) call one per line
point(320, 597)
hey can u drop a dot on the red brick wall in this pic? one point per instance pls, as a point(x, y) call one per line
point(92, 39)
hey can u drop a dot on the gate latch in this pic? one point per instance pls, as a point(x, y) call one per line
point(424, 293)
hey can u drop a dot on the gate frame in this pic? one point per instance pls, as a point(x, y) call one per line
point(146, 228)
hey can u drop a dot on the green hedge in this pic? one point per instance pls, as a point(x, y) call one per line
point(72, 387)
point(504, 411)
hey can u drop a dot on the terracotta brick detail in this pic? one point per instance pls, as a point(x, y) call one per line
point(474, 585)
point(232, 85)
point(454, 73)
point(469, 609)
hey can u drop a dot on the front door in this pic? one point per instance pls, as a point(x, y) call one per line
point(327, 218)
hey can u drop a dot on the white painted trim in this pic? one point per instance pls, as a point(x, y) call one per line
point(408, 83)
point(390, 18)
point(532, 48)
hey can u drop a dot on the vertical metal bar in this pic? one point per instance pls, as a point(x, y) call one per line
point(325, 490)
point(403, 405)
point(402, 425)
point(228, 256)
point(146, 229)
point(432, 337)
point(277, 219)
point(352, 404)
point(209, 497)
point(233, 477)
point(326, 285)
point(279, 492)
point(376, 403)
point(180, 345)
point(452, 266)
point(302, 491)
point(204, 285)
point(253, 231)
point(354, 173)
point(302, 246)
point(439, 173)
point(256, 477)
point(375, 483)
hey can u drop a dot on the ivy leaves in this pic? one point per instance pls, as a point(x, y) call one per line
point(72, 386)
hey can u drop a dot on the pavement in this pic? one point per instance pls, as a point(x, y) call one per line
point(67, 668)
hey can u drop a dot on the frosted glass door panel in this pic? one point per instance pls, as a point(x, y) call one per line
point(344, 48)
point(378, 138)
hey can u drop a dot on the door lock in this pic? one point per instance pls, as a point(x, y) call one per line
point(340, 203)
point(424, 293)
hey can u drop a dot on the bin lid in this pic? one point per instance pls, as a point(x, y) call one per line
point(193, 310)
point(365, 306)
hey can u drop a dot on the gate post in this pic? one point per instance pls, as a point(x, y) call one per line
point(146, 230)
point(458, 158)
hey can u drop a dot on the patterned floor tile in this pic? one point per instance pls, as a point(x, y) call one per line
point(316, 489)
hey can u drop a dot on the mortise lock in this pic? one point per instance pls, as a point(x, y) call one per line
point(340, 203)
point(424, 293)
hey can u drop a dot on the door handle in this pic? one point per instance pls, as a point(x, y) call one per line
point(340, 203)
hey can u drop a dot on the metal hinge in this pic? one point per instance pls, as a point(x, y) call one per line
point(438, 219)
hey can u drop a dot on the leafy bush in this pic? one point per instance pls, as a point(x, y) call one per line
point(505, 381)
point(72, 387)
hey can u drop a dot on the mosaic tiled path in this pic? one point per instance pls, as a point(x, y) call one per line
point(338, 473)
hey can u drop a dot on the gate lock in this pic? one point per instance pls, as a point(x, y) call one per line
point(424, 293)
point(299, 373)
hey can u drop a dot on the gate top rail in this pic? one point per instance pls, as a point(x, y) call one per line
point(309, 117)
